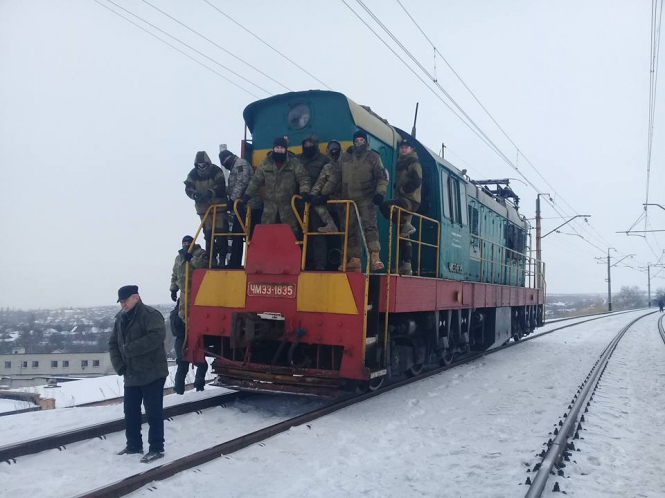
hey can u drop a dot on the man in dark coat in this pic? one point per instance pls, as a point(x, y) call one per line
point(137, 353)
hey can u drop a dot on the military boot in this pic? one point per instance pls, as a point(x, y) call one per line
point(329, 227)
point(376, 262)
point(352, 265)
point(405, 268)
point(406, 229)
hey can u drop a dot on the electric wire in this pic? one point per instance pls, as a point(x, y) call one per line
point(267, 44)
point(190, 47)
point(175, 48)
point(217, 45)
point(599, 237)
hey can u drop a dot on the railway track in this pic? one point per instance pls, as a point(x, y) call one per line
point(134, 482)
point(9, 453)
point(661, 328)
point(557, 453)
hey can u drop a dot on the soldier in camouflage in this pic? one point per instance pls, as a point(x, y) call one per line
point(283, 176)
point(207, 186)
point(327, 187)
point(314, 162)
point(408, 184)
point(197, 258)
point(364, 181)
point(241, 173)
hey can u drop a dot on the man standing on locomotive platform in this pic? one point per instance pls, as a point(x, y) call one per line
point(197, 258)
point(364, 181)
point(283, 177)
point(408, 185)
point(207, 186)
point(241, 173)
point(313, 161)
point(137, 353)
point(327, 186)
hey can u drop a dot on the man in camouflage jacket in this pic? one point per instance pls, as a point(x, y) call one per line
point(327, 187)
point(283, 176)
point(314, 161)
point(206, 185)
point(197, 258)
point(408, 184)
point(364, 181)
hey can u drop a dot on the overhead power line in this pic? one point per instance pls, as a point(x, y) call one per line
point(175, 48)
point(266, 44)
point(217, 45)
point(190, 47)
point(599, 237)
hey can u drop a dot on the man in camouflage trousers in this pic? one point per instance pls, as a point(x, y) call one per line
point(283, 176)
point(314, 162)
point(327, 187)
point(207, 186)
point(241, 173)
point(364, 181)
point(197, 258)
point(408, 184)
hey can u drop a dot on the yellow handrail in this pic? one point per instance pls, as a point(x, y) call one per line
point(246, 228)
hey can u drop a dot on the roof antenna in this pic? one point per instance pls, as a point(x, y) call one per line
point(415, 118)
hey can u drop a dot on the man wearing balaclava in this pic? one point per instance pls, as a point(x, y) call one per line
point(283, 176)
point(207, 186)
point(327, 187)
point(364, 181)
point(313, 161)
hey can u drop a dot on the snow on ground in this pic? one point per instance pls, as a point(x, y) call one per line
point(621, 453)
point(471, 431)
point(95, 389)
point(90, 464)
point(11, 405)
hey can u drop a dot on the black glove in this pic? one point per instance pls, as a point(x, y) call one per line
point(187, 256)
point(378, 199)
point(197, 196)
point(245, 198)
point(319, 200)
point(174, 296)
point(229, 205)
point(306, 197)
point(204, 196)
point(122, 371)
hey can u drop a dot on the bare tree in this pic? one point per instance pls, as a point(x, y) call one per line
point(630, 297)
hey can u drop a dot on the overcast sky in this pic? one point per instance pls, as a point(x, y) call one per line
point(100, 122)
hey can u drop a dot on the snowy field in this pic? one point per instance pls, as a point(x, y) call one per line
point(11, 405)
point(468, 432)
point(621, 453)
point(95, 389)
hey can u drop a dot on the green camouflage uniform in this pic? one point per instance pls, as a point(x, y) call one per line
point(328, 184)
point(363, 177)
point(317, 253)
point(199, 260)
point(280, 186)
point(211, 180)
point(408, 186)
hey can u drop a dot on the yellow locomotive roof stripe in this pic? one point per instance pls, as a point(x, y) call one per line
point(225, 288)
point(260, 154)
point(325, 293)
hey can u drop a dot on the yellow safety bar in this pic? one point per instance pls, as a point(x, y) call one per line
point(245, 233)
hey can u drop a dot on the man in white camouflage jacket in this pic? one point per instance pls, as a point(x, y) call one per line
point(241, 173)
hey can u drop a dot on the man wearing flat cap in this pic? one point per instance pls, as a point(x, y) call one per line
point(137, 353)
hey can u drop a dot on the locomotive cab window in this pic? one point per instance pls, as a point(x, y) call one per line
point(299, 116)
point(454, 200)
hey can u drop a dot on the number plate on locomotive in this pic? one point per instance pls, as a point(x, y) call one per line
point(264, 289)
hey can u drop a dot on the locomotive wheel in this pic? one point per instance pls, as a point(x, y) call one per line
point(447, 358)
point(415, 370)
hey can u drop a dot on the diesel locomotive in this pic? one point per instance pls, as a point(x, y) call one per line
point(274, 326)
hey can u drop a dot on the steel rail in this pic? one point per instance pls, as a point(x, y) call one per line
point(661, 329)
point(134, 482)
point(10, 452)
point(119, 399)
point(557, 320)
point(557, 448)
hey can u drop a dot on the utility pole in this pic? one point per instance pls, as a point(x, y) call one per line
point(539, 254)
point(609, 281)
point(649, 282)
point(443, 150)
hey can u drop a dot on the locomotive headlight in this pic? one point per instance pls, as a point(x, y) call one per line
point(299, 116)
